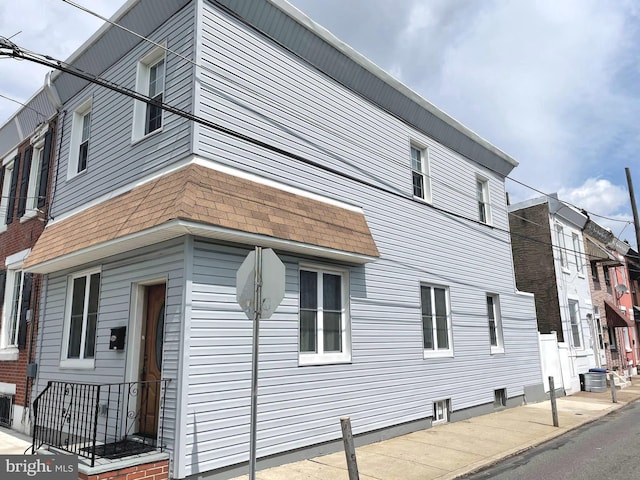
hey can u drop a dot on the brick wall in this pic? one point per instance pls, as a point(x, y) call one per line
point(146, 471)
point(534, 265)
point(17, 237)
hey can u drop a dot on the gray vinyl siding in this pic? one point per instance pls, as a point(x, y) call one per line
point(36, 111)
point(388, 381)
point(263, 91)
point(118, 274)
point(114, 161)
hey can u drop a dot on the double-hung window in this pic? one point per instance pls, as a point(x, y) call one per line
point(38, 175)
point(574, 319)
point(80, 137)
point(81, 318)
point(420, 173)
point(495, 324)
point(15, 301)
point(482, 196)
point(577, 253)
point(562, 248)
point(6, 178)
point(324, 322)
point(436, 321)
point(150, 82)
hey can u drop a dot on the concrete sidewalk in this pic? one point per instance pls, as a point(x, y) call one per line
point(13, 443)
point(455, 449)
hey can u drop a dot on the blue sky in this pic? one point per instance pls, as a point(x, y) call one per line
point(553, 84)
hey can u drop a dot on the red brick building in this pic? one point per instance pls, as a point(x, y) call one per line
point(25, 178)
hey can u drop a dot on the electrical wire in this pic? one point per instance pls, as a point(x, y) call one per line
point(274, 101)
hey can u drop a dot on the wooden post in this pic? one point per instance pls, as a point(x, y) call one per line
point(349, 449)
point(613, 389)
point(554, 407)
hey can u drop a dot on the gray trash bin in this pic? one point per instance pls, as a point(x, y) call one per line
point(595, 382)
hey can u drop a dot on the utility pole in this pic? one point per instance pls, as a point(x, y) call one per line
point(634, 209)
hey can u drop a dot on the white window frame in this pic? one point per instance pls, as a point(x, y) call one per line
point(144, 66)
point(599, 331)
point(562, 247)
point(577, 253)
point(77, 128)
point(497, 321)
point(441, 412)
point(9, 346)
point(484, 200)
point(37, 142)
point(8, 163)
point(81, 362)
point(436, 352)
point(424, 171)
point(320, 357)
point(575, 324)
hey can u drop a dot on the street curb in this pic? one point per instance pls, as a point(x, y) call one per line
point(488, 463)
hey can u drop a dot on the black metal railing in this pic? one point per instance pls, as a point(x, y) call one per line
point(112, 420)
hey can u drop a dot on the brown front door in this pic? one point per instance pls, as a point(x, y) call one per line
point(152, 361)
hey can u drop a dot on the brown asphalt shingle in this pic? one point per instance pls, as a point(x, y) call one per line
point(199, 194)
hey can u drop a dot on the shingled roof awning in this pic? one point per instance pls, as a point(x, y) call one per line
point(615, 317)
point(205, 202)
point(596, 252)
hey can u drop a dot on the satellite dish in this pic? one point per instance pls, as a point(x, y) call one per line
point(621, 289)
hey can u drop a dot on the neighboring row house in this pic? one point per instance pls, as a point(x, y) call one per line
point(300, 144)
point(612, 299)
point(578, 272)
point(549, 259)
point(27, 142)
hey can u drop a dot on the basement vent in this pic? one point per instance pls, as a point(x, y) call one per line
point(500, 397)
point(6, 410)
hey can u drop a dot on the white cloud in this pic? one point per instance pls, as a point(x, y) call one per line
point(597, 195)
point(606, 203)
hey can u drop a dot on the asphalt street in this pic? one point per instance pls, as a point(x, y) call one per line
point(608, 448)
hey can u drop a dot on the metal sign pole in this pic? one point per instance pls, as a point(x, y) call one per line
point(254, 362)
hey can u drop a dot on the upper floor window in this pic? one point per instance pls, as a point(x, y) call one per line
point(420, 173)
point(436, 321)
point(562, 248)
point(482, 195)
point(594, 275)
point(577, 253)
point(81, 318)
point(7, 193)
point(80, 135)
point(150, 81)
point(37, 175)
point(495, 324)
point(607, 279)
point(324, 322)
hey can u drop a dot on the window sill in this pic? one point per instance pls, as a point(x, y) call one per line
point(566, 271)
point(28, 216)
point(423, 200)
point(581, 275)
point(76, 175)
point(497, 350)
point(437, 354)
point(136, 140)
point(315, 359)
point(9, 354)
point(77, 364)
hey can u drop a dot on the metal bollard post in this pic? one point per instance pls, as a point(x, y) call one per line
point(349, 449)
point(554, 407)
point(613, 389)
